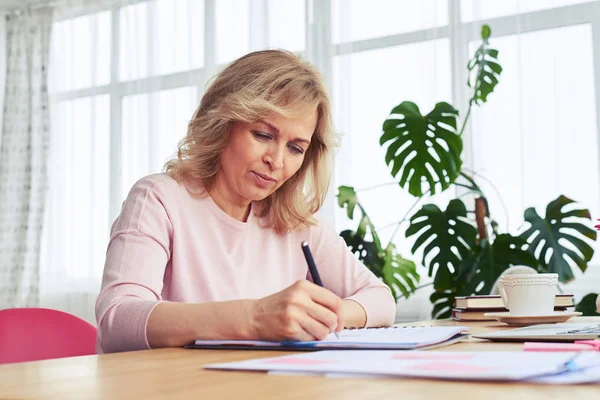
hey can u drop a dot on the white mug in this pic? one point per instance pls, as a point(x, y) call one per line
point(528, 294)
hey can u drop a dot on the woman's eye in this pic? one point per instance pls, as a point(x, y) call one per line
point(260, 135)
point(296, 149)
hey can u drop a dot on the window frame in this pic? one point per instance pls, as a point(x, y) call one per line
point(320, 51)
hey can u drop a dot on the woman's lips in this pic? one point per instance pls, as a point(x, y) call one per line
point(263, 181)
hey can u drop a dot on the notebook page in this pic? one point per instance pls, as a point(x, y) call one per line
point(401, 337)
point(410, 336)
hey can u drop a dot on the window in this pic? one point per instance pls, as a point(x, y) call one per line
point(124, 82)
point(126, 79)
point(536, 138)
point(155, 122)
point(537, 133)
point(354, 20)
point(76, 228)
point(473, 10)
point(364, 97)
point(76, 63)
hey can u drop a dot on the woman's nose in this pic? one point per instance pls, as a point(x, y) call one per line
point(274, 158)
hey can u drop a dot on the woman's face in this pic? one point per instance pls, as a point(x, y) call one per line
point(261, 156)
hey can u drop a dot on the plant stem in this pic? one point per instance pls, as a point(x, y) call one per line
point(417, 288)
point(466, 117)
point(376, 239)
point(471, 181)
point(376, 186)
point(495, 190)
point(471, 188)
point(390, 225)
point(406, 215)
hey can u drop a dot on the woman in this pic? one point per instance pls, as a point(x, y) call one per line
point(211, 249)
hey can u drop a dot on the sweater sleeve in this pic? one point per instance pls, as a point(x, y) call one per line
point(137, 255)
point(343, 274)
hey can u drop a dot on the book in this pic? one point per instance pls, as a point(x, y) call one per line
point(387, 338)
point(487, 302)
point(466, 314)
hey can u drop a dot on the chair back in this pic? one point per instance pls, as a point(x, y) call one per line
point(29, 334)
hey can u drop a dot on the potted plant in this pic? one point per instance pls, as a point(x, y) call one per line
point(463, 249)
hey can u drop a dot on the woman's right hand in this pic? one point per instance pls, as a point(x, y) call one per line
point(303, 311)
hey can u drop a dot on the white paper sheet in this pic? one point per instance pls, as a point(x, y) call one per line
point(508, 366)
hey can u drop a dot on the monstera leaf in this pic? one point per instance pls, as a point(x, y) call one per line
point(478, 272)
point(442, 299)
point(424, 147)
point(399, 273)
point(548, 236)
point(366, 251)
point(587, 305)
point(347, 198)
point(451, 237)
point(481, 270)
point(484, 69)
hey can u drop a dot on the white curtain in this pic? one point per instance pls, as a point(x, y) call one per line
point(23, 156)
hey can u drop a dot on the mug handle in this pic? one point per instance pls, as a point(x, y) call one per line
point(502, 292)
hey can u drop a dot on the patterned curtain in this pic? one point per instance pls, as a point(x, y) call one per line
point(23, 156)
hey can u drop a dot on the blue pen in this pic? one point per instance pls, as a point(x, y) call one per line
point(570, 365)
point(312, 267)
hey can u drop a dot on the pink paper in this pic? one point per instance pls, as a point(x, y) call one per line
point(543, 346)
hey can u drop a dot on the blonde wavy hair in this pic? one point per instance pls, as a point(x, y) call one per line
point(251, 88)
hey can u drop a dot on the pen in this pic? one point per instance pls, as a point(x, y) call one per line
point(313, 270)
point(570, 365)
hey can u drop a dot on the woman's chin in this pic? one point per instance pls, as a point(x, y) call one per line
point(259, 194)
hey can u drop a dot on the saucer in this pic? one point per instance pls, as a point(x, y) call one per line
point(524, 320)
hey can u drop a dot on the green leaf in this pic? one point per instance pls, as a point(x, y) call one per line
point(362, 227)
point(399, 273)
point(448, 235)
point(426, 149)
point(484, 70)
point(486, 31)
point(395, 271)
point(443, 299)
point(548, 237)
point(480, 271)
point(587, 305)
point(443, 302)
point(367, 251)
point(347, 197)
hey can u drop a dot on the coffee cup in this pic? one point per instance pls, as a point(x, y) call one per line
point(528, 294)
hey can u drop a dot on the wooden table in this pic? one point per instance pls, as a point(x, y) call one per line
point(178, 373)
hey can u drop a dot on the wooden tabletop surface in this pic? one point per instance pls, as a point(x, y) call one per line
point(178, 373)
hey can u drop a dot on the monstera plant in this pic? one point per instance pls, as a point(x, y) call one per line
point(462, 248)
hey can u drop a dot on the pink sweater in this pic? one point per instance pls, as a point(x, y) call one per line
point(169, 246)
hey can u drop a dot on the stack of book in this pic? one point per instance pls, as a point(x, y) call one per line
point(473, 308)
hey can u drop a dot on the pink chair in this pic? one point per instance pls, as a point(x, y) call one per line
point(29, 334)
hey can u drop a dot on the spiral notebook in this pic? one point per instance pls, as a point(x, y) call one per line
point(388, 338)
